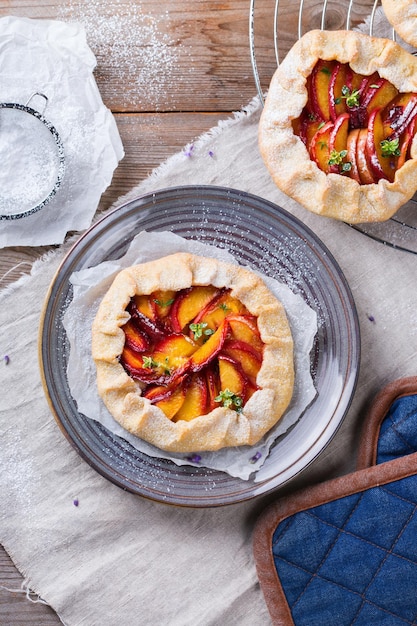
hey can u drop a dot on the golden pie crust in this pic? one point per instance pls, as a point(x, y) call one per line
point(402, 15)
point(222, 427)
point(287, 158)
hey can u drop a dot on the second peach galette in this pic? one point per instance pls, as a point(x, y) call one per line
point(193, 354)
point(338, 128)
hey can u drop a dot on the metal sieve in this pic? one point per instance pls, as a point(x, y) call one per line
point(32, 161)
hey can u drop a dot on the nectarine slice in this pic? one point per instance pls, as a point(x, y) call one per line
point(320, 147)
point(379, 94)
point(383, 163)
point(319, 88)
point(245, 328)
point(210, 349)
point(134, 338)
point(189, 303)
point(341, 78)
point(173, 351)
point(173, 403)
point(249, 359)
point(163, 299)
point(364, 169)
point(215, 314)
point(231, 376)
point(195, 401)
point(351, 145)
point(146, 305)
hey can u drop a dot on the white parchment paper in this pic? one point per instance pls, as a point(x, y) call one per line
point(53, 58)
point(91, 284)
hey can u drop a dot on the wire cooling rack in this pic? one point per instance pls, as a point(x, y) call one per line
point(275, 25)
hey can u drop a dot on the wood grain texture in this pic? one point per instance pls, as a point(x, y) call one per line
point(169, 71)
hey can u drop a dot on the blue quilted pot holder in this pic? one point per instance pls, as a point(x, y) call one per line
point(345, 552)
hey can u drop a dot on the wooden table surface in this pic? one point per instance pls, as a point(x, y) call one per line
point(169, 71)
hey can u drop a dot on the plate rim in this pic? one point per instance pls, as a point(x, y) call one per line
point(137, 203)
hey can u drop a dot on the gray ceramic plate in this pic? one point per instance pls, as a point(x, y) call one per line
point(265, 237)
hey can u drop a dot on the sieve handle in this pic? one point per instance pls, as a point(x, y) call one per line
point(42, 95)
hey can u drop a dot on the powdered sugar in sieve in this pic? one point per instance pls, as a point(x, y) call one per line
point(32, 160)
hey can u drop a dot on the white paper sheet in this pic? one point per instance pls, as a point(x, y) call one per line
point(53, 58)
point(91, 284)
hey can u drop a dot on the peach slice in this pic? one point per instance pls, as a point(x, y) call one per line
point(244, 328)
point(213, 387)
point(351, 147)
point(172, 403)
point(338, 142)
point(210, 349)
point(196, 399)
point(135, 364)
point(231, 376)
point(399, 114)
point(378, 94)
point(249, 359)
point(381, 166)
point(145, 304)
point(149, 326)
point(163, 299)
point(220, 309)
point(320, 147)
point(406, 142)
point(362, 160)
point(341, 77)
point(319, 88)
point(305, 127)
point(189, 303)
point(173, 352)
point(134, 338)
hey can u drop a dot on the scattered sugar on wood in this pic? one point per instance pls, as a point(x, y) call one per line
point(134, 46)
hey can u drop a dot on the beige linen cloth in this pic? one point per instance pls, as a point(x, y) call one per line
point(120, 559)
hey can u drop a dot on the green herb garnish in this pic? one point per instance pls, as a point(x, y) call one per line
point(230, 400)
point(201, 329)
point(149, 362)
point(336, 158)
point(161, 303)
point(351, 97)
point(390, 147)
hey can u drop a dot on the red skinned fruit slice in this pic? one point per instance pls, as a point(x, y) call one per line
point(163, 300)
point(220, 309)
point(319, 88)
point(134, 338)
point(249, 359)
point(378, 94)
point(338, 141)
point(245, 328)
point(352, 141)
point(381, 166)
point(231, 376)
point(320, 147)
point(210, 349)
point(189, 303)
point(364, 168)
point(172, 403)
point(196, 399)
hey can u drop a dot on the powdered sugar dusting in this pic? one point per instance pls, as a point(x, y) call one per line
point(134, 46)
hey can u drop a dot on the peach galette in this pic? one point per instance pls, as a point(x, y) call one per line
point(402, 15)
point(338, 127)
point(193, 353)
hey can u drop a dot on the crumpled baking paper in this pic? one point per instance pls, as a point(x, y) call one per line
point(91, 284)
point(54, 59)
